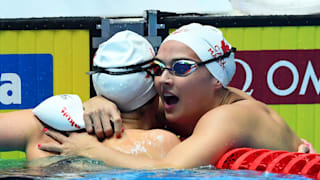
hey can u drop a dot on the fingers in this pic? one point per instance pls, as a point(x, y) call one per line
point(309, 146)
point(117, 122)
point(97, 125)
point(50, 147)
point(98, 122)
point(106, 124)
point(55, 135)
point(303, 148)
point(98, 113)
point(88, 122)
point(115, 117)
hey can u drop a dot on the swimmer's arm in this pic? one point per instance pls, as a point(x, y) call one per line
point(211, 139)
point(16, 128)
point(215, 133)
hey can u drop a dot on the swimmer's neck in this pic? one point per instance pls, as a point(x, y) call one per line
point(238, 93)
point(137, 121)
point(142, 118)
point(230, 95)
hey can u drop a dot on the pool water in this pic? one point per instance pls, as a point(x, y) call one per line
point(84, 168)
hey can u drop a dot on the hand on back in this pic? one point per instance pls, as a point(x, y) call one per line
point(102, 117)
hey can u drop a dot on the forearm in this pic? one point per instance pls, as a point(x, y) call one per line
point(120, 159)
point(15, 129)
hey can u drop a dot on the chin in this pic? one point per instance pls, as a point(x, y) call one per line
point(172, 118)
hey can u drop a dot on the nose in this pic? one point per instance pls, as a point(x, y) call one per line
point(165, 78)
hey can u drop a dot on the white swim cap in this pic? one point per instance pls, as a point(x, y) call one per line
point(129, 91)
point(61, 112)
point(208, 42)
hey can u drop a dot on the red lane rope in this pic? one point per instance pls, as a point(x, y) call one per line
point(272, 161)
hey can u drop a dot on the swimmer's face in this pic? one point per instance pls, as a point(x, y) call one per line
point(185, 99)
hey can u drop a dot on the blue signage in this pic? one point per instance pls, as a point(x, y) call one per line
point(25, 80)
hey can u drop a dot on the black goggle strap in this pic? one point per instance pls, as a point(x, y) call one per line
point(227, 54)
point(130, 69)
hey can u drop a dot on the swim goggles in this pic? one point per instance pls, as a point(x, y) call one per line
point(155, 67)
point(121, 70)
point(182, 67)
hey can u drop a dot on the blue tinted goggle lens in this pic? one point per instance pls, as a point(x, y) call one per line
point(179, 68)
point(183, 67)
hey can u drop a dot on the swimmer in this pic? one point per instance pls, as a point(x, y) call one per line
point(22, 130)
point(194, 65)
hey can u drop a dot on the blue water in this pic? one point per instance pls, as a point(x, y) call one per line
point(90, 169)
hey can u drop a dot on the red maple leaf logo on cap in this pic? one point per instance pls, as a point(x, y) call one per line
point(225, 48)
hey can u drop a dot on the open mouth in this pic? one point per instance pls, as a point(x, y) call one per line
point(170, 99)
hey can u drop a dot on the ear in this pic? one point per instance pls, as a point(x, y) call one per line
point(218, 84)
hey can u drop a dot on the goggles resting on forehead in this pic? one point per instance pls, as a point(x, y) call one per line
point(121, 70)
point(182, 67)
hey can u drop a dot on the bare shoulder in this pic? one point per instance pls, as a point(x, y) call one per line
point(250, 103)
point(249, 123)
point(243, 113)
point(243, 107)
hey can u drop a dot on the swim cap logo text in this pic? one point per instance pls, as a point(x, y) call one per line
point(10, 88)
point(69, 118)
point(215, 52)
